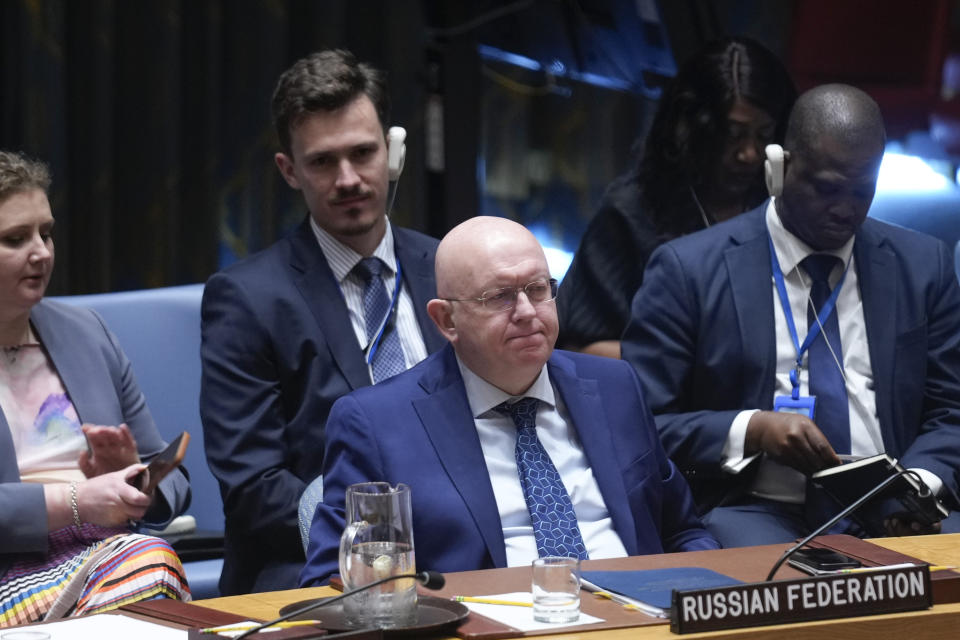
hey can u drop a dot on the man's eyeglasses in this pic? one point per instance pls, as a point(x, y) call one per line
point(504, 298)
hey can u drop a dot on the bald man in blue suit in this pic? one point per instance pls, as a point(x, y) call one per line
point(435, 427)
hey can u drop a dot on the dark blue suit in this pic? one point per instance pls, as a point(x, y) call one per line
point(702, 339)
point(278, 349)
point(417, 428)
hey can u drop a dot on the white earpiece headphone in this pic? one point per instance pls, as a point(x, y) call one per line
point(773, 169)
point(396, 152)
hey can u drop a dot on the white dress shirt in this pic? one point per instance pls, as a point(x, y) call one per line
point(342, 259)
point(776, 481)
point(498, 439)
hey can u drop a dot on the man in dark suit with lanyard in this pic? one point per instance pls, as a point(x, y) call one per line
point(337, 305)
point(802, 330)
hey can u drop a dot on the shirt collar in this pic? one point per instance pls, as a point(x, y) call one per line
point(342, 259)
point(790, 249)
point(483, 396)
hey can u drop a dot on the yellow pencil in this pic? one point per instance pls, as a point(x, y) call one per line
point(243, 626)
point(933, 567)
point(511, 603)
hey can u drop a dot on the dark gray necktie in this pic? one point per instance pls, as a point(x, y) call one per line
point(826, 379)
point(388, 360)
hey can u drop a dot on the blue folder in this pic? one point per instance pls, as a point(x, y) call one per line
point(655, 586)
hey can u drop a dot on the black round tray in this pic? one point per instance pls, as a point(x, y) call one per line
point(433, 615)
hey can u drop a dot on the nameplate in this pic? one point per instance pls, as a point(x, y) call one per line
point(817, 598)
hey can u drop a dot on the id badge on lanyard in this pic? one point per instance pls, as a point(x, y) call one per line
point(795, 403)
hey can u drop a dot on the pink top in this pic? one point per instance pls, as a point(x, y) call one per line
point(43, 421)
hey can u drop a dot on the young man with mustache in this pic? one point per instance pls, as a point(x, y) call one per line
point(337, 305)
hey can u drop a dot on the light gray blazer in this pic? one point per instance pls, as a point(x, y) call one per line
point(100, 382)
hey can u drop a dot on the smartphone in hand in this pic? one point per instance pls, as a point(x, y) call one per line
point(162, 464)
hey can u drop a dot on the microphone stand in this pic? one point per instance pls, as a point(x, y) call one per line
point(846, 512)
point(429, 579)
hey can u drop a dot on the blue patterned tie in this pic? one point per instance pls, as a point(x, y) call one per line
point(551, 511)
point(388, 360)
point(826, 380)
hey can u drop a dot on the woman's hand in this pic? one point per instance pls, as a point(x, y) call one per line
point(110, 449)
point(109, 501)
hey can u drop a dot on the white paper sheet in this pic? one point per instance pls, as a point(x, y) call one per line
point(106, 626)
point(521, 617)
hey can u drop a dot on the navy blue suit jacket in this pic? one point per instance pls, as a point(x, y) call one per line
point(702, 339)
point(417, 428)
point(278, 349)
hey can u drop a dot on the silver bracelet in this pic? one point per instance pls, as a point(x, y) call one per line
point(75, 504)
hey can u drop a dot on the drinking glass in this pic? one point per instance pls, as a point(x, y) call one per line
point(556, 589)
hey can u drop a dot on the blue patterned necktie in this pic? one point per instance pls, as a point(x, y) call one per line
point(551, 511)
point(826, 380)
point(388, 360)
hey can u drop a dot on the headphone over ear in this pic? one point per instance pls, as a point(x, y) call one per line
point(773, 169)
point(396, 152)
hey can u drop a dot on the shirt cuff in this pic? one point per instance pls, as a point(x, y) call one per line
point(733, 460)
point(930, 479)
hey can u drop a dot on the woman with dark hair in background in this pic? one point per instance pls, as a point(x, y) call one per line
point(702, 163)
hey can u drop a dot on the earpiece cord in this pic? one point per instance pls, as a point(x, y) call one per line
point(703, 212)
point(823, 331)
point(371, 350)
point(392, 188)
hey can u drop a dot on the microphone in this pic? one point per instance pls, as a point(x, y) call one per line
point(429, 579)
point(924, 493)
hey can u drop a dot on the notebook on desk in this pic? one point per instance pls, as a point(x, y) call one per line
point(656, 586)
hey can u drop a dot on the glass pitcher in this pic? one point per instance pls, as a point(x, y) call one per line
point(376, 543)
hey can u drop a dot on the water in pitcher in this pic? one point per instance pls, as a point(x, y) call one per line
point(391, 604)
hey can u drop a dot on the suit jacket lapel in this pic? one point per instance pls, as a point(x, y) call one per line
point(445, 414)
point(588, 417)
point(748, 265)
point(418, 276)
point(8, 456)
point(878, 291)
point(320, 290)
point(69, 362)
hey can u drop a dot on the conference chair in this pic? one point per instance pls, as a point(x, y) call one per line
point(956, 259)
point(312, 496)
point(159, 330)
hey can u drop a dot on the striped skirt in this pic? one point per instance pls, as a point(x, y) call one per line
point(90, 569)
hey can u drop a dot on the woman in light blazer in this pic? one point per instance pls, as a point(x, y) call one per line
point(74, 431)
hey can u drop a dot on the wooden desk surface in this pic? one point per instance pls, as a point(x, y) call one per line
point(938, 623)
point(942, 549)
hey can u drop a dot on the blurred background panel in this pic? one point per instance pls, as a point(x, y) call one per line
point(155, 115)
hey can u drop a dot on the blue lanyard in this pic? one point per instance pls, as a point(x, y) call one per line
point(813, 331)
point(375, 343)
